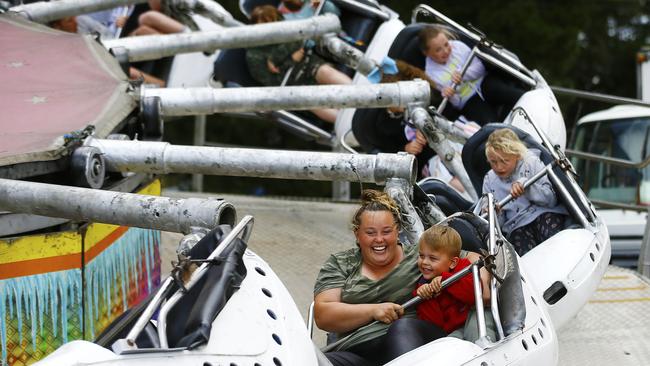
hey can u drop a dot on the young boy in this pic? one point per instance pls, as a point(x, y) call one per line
point(439, 248)
point(535, 214)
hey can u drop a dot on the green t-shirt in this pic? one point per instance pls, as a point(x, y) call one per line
point(343, 270)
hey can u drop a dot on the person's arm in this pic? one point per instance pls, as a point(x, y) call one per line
point(333, 315)
point(463, 294)
point(490, 180)
point(541, 192)
point(463, 289)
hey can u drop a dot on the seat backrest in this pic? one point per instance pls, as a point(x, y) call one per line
point(447, 198)
point(231, 67)
point(405, 46)
point(473, 230)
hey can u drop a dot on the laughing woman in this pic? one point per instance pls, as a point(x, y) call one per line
point(367, 283)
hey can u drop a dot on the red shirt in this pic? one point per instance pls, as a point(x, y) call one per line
point(449, 309)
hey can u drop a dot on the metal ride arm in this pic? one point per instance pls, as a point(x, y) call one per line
point(452, 130)
point(117, 208)
point(348, 54)
point(47, 11)
point(158, 46)
point(193, 101)
point(474, 267)
point(400, 191)
point(164, 158)
point(437, 141)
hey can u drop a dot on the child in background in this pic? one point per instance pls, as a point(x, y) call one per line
point(476, 93)
point(438, 260)
point(534, 215)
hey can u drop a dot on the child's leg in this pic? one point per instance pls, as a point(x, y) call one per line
point(326, 74)
point(548, 224)
point(524, 238)
point(479, 111)
point(326, 114)
point(160, 22)
point(470, 331)
point(496, 91)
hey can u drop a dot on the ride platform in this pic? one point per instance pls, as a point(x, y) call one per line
point(296, 236)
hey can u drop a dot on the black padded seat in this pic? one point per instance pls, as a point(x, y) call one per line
point(447, 198)
point(230, 67)
point(190, 320)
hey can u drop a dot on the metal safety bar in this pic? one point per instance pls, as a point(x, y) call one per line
point(128, 343)
point(492, 249)
point(564, 163)
point(474, 267)
point(463, 70)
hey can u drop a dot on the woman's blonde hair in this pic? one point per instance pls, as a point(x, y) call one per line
point(442, 238)
point(505, 141)
point(373, 200)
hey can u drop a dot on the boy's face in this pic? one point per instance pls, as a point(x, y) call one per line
point(439, 49)
point(503, 164)
point(432, 263)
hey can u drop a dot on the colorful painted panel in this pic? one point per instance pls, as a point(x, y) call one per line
point(120, 276)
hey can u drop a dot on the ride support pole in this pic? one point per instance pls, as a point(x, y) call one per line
point(193, 101)
point(442, 146)
point(117, 208)
point(154, 47)
point(164, 158)
point(47, 11)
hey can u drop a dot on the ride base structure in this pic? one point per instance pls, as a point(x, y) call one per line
point(70, 284)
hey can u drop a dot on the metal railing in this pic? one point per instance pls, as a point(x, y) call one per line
point(643, 264)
